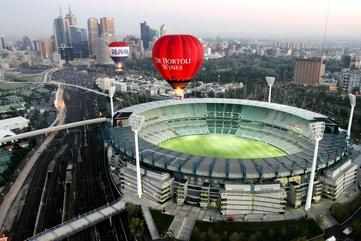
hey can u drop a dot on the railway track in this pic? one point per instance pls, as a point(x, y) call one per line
point(69, 192)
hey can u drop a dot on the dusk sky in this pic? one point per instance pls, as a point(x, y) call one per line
point(206, 18)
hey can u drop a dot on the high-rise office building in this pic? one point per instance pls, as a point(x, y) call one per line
point(71, 40)
point(102, 50)
point(62, 39)
point(79, 42)
point(147, 35)
point(37, 46)
point(93, 34)
point(162, 30)
point(106, 26)
point(52, 44)
point(69, 21)
point(2, 42)
point(309, 71)
point(70, 18)
point(346, 61)
point(27, 43)
point(59, 32)
point(45, 48)
point(351, 80)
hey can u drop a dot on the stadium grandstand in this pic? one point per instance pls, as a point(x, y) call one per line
point(239, 156)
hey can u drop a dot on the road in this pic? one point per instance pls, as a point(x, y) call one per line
point(337, 229)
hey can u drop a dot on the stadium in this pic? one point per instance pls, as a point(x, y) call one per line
point(239, 156)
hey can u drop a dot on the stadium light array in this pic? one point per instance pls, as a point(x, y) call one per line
point(136, 122)
point(317, 130)
point(270, 81)
point(353, 105)
point(111, 95)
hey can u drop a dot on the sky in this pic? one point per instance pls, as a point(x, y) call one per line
point(277, 19)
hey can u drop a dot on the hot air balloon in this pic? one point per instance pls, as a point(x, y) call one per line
point(119, 51)
point(178, 58)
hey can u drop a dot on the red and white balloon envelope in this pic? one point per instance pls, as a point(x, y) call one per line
point(178, 59)
point(119, 51)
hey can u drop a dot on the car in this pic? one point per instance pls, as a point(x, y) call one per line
point(332, 238)
point(347, 231)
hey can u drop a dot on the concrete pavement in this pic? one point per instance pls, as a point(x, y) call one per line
point(150, 223)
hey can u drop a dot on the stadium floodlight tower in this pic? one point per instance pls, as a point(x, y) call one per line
point(353, 105)
point(111, 95)
point(317, 129)
point(136, 122)
point(270, 81)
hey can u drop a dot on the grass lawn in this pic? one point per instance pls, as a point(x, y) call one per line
point(222, 146)
point(162, 221)
point(270, 231)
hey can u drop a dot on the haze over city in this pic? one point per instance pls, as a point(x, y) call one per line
point(231, 18)
point(180, 120)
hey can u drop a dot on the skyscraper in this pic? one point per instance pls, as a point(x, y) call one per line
point(102, 52)
point(45, 48)
point(62, 39)
point(37, 46)
point(106, 26)
point(69, 21)
point(162, 30)
point(2, 42)
point(146, 34)
point(79, 42)
point(59, 32)
point(27, 43)
point(70, 18)
point(93, 34)
point(309, 71)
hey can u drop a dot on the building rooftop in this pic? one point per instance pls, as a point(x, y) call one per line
point(14, 123)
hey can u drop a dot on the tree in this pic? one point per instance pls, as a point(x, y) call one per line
point(356, 229)
point(234, 237)
point(136, 227)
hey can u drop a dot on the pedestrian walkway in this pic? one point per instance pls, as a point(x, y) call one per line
point(185, 230)
point(150, 223)
point(75, 225)
point(175, 225)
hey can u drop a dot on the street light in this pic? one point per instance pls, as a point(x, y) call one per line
point(136, 122)
point(270, 81)
point(353, 105)
point(317, 129)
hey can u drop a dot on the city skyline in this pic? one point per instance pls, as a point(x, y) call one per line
point(272, 19)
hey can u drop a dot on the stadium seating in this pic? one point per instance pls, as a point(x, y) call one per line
point(281, 129)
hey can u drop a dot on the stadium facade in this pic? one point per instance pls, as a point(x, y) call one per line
point(234, 186)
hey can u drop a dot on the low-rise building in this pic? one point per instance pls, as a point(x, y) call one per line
point(156, 186)
point(338, 180)
point(16, 123)
point(241, 199)
point(297, 193)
